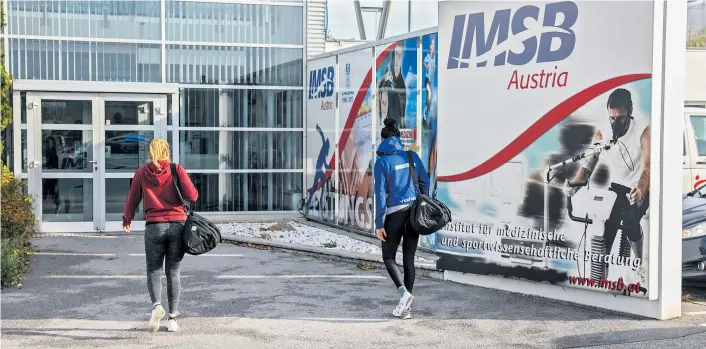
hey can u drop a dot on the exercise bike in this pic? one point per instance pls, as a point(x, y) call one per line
point(597, 204)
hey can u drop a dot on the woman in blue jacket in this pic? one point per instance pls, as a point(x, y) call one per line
point(394, 195)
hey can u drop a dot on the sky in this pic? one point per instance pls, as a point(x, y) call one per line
point(343, 25)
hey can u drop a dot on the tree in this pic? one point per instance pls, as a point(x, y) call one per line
point(695, 38)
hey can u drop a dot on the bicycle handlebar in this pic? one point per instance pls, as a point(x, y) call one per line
point(570, 206)
point(582, 183)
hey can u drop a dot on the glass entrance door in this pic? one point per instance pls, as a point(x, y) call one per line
point(129, 124)
point(83, 152)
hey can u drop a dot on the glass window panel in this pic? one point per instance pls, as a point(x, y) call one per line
point(25, 186)
point(696, 24)
point(699, 124)
point(116, 190)
point(241, 108)
point(84, 61)
point(124, 19)
point(232, 192)
point(219, 22)
point(67, 200)
point(24, 150)
point(128, 113)
point(67, 112)
point(169, 110)
point(274, 191)
point(23, 113)
point(126, 151)
point(8, 151)
point(241, 150)
point(67, 151)
point(190, 64)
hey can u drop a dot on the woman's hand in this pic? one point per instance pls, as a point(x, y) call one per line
point(381, 234)
point(126, 228)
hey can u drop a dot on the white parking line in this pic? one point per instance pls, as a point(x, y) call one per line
point(81, 254)
point(341, 319)
point(220, 276)
point(73, 254)
point(101, 276)
point(203, 255)
point(299, 277)
point(695, 313)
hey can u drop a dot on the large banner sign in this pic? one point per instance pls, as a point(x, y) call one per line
point(355, 117)
point(396, 82)
point(429, 86)
point(321, 138)
point(537, 92)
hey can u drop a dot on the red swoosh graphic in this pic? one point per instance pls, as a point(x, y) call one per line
point(541, 126)
point(357, 102)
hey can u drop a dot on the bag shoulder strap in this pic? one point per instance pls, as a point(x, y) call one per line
point(413, 169)
point(177, 186)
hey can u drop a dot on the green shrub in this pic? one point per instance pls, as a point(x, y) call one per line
point(18, 223)
point(696, 38)
point(14, 261)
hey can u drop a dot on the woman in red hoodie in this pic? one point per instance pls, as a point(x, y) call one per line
point(165, 216)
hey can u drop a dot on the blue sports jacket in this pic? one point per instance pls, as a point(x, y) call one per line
point(394, 185)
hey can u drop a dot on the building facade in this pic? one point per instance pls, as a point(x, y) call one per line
point(96, 81)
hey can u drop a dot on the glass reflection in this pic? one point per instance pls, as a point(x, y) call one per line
point(237, 192)
point(66, 112)
point(126, 151)
point(67, 200)
point(128, 113)
point(66, 150)
point(116, 190)
point(241, 150)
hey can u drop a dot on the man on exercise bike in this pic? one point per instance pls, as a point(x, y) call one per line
point(628, 162)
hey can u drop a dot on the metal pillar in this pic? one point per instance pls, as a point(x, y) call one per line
point(270, 150)
point(245, 151)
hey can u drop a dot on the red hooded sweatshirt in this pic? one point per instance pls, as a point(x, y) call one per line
point(156, 186)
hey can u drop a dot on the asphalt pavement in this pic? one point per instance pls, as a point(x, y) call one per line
point(90, 291)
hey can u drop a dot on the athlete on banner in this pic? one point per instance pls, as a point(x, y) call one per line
point(430, 67)
point(628, 161)
point(322, 166)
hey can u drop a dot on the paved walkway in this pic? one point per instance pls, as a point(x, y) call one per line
point(91, 292)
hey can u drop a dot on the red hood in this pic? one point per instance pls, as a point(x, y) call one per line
point(157, 176)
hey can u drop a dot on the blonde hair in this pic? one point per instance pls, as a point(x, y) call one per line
point(159, 150)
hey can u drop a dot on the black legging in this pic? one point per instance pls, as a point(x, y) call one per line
point(397, 225)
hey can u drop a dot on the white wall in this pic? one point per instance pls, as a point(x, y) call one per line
point(695, 75)
point(315, 27)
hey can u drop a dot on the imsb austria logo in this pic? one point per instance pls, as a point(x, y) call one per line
point(517, 39)
point(321, 86)
point(348, 75)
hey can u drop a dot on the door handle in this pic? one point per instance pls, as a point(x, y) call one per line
point(701, 162)
point(93, 161)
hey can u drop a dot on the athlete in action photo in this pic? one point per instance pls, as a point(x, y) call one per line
point(322, 167)
point(628, 162)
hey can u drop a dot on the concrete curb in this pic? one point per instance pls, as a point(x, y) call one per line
point(422, 269)
point(361, 236)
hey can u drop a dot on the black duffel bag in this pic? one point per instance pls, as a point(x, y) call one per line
point(428, 215)
point(200, 234)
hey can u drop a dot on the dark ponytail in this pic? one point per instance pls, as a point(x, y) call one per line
point(390, 129)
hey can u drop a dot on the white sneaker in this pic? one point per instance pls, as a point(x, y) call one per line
point(158, 314)
point(404, 305)
point(172, 325)
point(407, 313)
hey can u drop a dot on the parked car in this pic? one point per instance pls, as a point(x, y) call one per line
point(694, 235)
